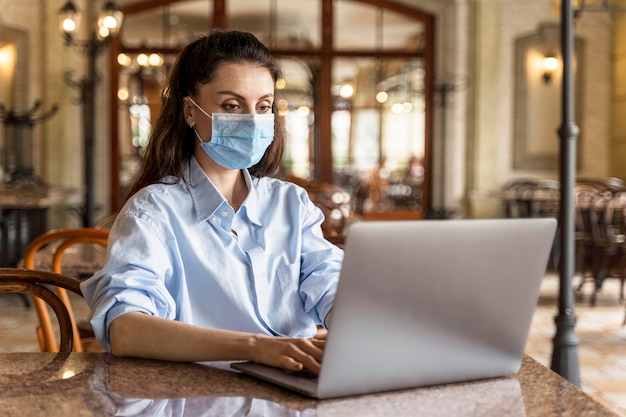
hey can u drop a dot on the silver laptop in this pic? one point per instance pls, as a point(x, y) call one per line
point(428, 302)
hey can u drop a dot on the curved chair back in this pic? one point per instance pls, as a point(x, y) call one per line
point(334, 203)
point(34, 283)
point(106, 222)
point(60, 240)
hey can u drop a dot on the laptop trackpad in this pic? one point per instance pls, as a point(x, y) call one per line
point(300, 382)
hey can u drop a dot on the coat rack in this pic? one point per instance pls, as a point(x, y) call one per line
point(24, 196)
point(443, 89)
point(17, 160)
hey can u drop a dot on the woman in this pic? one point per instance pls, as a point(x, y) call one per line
point(211, 259)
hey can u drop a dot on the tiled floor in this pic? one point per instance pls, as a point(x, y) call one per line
point(602, 339)
point(601, 349)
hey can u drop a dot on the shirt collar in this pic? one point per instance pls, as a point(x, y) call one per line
point(207, 198)
point(249, 206)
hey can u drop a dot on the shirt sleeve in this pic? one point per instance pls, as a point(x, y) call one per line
point(320, 263)
point(133, 277)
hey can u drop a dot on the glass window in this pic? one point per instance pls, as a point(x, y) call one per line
point(401, 32)
point(401, 96)
point(355, 25)
point(294, 103)
point(283, 24)
point(378, 130)
point(170, 26)
point(361, 26)
point(298, 24)
point(250, 16)
point(340, 144)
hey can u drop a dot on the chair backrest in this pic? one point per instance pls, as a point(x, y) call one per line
point(59, 240)
point(586, 197)
point(35, 284)
point(518, 197)
point(106, 222)
point(531, 197)
point(610, 184)
point(546, 198)
point(613, 222)
point(334, 203)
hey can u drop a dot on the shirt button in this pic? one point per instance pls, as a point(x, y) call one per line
point(213, 219)
point(224, 213)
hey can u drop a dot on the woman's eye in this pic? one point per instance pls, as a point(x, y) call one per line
point(230, 107)
point(264, 109)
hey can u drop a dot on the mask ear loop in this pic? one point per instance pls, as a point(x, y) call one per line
point(197, 134)
point(200, 108)
point(191, 125)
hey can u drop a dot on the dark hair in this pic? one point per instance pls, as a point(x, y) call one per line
point(172, 142)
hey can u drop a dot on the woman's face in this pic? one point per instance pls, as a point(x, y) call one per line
point(235, 88)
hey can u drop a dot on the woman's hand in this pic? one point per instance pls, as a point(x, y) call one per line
point(321, 333)
point(140, 335)
point(294, 354)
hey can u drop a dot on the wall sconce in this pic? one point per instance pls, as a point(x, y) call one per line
point(550, 64)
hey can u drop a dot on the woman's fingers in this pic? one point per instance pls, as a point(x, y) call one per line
point(305, 352)
point(291, 353)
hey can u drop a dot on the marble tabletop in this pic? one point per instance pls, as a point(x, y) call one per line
point(98, 384)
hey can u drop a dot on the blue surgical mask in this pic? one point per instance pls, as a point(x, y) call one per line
point(237, 140)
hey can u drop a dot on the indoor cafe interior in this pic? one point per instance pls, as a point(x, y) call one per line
point(391, 110)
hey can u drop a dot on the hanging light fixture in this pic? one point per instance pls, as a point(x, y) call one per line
point(108, 23)
point(69, 20)
point(109, 20)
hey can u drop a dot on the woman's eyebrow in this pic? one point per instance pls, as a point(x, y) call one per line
point(240, 97)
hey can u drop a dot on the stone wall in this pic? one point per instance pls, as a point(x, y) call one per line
point(618, 99)
point(495, 26)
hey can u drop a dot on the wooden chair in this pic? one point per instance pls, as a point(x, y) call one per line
point(600, 235)
point(34, 283)
point(610, 241)
point(517, 197)
point(334, 203)
point(586, 199)
point(58, 242)
point(105, 222)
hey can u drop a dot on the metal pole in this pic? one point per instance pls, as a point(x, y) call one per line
point(89, 132)
point(443, 90)
point(565, 342)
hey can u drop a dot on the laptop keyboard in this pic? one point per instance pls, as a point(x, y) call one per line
point(304, 374)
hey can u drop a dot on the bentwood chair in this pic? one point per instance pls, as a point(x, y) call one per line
point(56, 244)
point(610, 241)
point(105, 222)
point(600, 235)
point(334, 203)
point(35, 284)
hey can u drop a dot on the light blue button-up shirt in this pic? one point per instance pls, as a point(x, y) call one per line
point(178, 250)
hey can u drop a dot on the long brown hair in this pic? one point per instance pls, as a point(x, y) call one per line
point(172, 142)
